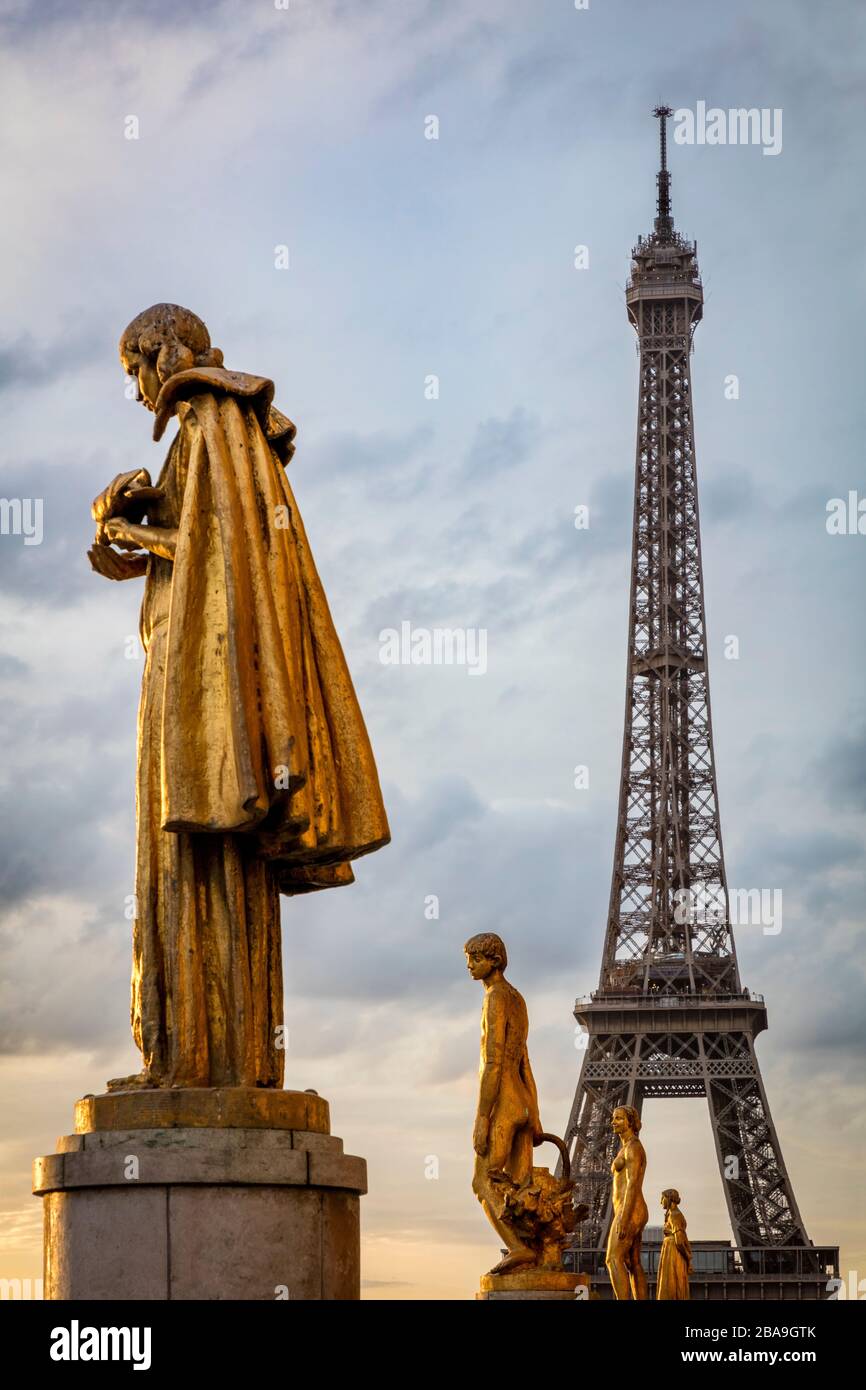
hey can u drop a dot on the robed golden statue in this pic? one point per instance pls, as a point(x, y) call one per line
point(675, 1261)
point(255, 773)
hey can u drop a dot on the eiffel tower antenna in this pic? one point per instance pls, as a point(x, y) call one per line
point(664, 224)
point(670, 1017)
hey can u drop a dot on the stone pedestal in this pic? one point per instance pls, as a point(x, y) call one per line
point(535, 1284)
point(208, 1194)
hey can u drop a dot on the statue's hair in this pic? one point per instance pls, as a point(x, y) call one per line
point(487, 943)
point(633, 1117)
point(174, 337)
point(672, 1195)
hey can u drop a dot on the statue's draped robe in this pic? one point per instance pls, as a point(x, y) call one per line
point(255, 772)
point(673, 1276)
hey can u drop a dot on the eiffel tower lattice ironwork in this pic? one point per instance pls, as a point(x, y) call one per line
point(670, 1017)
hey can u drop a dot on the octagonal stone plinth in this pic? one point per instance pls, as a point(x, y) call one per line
point(198, 1211)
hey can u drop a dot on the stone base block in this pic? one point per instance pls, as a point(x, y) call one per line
point(198, 1212)
point(535, 1284)
point(217, 1107)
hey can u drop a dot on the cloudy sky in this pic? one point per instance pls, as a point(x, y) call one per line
point(304, 127)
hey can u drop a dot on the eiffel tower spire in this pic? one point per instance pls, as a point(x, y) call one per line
point(664, 218)
point(670, 1017)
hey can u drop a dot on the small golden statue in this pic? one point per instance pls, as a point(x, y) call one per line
point(531, 1210)
point(675, 1263)
point(255, 772)
point(630, 1213)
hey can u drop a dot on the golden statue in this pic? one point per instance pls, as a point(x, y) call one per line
point(675, 1262)
point(255, 773)
point(630, 1213)
point(531, 1210)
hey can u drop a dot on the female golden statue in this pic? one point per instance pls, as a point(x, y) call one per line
point(675, 1263)
point(255, 772)
point(630, 1213)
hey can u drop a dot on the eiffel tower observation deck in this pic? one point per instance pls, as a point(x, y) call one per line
point(670, 1018)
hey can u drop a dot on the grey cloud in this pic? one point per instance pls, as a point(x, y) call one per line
point(500, 444)
point(729, 497)
point(455, 1055)
point(30, 362)
point(22, 20)
point(450, 806)
point(470, 531)
point(11, 668)
point(71, 991)
point(389, 466)
point(839, 1026)
point(68, 783)
point(559, 550)
point(469, 40)
point(514, 870)
point(441, 603)
point(502, 606)
point(57, 570)
point(808, 852)
point(26, 363)
point(248, 47)
point(841, 769)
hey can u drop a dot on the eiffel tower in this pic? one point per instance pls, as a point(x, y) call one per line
point(670, 1017)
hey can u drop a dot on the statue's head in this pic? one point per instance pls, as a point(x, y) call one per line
point(625, 1118)
point(161, 341)
point(484, 954)
point(670, 1198)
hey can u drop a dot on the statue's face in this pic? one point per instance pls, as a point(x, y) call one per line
point(137, 365)
point(665, 1201)
point(619, 1121)
point(478, 965)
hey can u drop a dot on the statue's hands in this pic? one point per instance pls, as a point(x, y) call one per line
point(537, 1131)
point(112, 565)
point(118, 531)
point(116, 496)
point(481, 1135)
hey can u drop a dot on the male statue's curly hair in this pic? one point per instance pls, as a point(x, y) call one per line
point(487, 943)
point(634, 1120)
point(171, 336)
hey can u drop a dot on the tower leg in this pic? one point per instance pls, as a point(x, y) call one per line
point(759, 1195)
